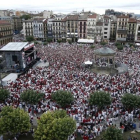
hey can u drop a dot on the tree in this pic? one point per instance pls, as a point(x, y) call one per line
point(63, 98)
point(14, 120)
point(45, 43)
point(112, 133)
point(120, 47)
point(117, 43)
point(130, 101)
point(4, 94)
point(100, 99)
point(59, 41)
point(92, 47)
point(103, 43)
point(31, 97)
point(26, 17)
point(70, 42)
point(54, 125)
point(30, 38)
point(49, 40)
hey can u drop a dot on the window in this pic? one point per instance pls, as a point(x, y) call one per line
point(105, 28)
point(14, 57)
point(105, 32)
point(105, 36)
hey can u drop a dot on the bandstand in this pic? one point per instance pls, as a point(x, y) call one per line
point(104, 57)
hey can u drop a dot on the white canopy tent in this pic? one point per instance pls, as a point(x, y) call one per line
point(137, 44)
point(85, 41)
point(9, 78)
point(88, 63)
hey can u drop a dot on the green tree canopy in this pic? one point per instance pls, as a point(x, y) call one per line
point(14, 120)
point(130, 101)
point(26, 17)
point(120, 47)
point(4, 94)
point(31, 97)
point(63, 98)
point(112, 133)
point(117, 44)
point(100, 99)
point(30, 38)
point(103, 43)
point(55, 125)
point(49, 40)
point(92, 47)
point(59, 40)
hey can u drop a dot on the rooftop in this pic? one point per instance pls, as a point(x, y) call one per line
point(132, 20)
point(92, 16)
point(104, 51)
point(14, 46)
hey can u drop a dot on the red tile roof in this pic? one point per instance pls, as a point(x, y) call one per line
point(132, 20)
point(92, 16)
point(123, 16)
point(4, 22)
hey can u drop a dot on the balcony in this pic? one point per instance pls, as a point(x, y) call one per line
point(121, 39)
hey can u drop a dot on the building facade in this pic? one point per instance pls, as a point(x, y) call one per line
point(91, 26)
point(72, 28)
point(131, 30)
point(18, 24)
point(49, 28)
point(107, 26)
point(137, 33)
point(28, 28)
point(122, 29)
point(82, 25)
point(6, 32)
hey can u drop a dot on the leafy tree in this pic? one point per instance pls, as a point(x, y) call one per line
point(117, 44)
point(59, 41)
point(130, 101)
point(120, 47)
point(26, 17)
point(31, 97)
point(103, 43)
point(14, 120)
point(100, 99)
point(92, 47)
point(63, 98)
point(45, 43)
point(49, 40)
point(55, 125)
point(70, 42)
point(112, 133)
point(4, 94)
point(30, 38)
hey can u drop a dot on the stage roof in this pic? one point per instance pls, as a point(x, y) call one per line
point(14, 46)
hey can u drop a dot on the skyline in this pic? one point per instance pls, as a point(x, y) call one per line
point(67, 6)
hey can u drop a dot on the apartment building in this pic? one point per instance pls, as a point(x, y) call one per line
point(35, 27)
point(50, 28)
point(131, 29)
point(122, 29)
point(137, 33)
point(91, 26)
point(72, 27)
point(57, 25)
point(40, 29)
point(28, 27)
point(106, 27)
point(18, 24)
point(82, 25)
point(6, 32)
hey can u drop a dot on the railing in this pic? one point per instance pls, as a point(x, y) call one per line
point(121, 39)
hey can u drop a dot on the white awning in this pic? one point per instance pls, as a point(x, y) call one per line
point(138, 44)
point(88, 63)
point(85, 41)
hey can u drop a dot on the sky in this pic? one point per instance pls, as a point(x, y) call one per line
point(67, 6)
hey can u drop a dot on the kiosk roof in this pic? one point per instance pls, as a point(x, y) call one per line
point(14, 46)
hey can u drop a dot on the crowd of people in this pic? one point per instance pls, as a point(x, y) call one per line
point(65, 72)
